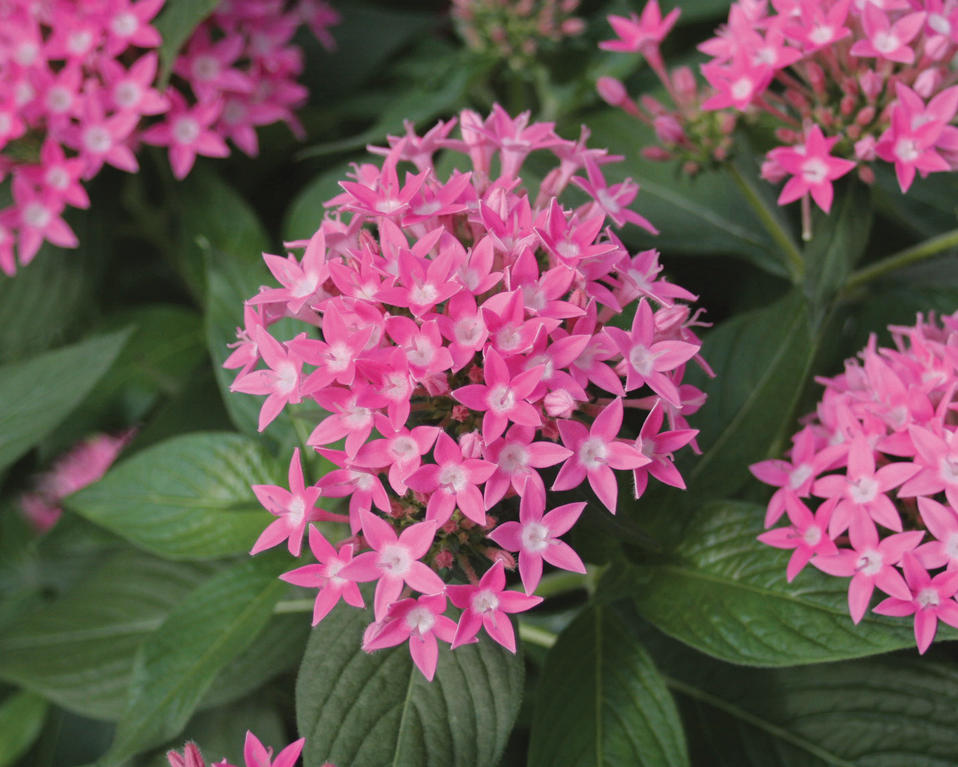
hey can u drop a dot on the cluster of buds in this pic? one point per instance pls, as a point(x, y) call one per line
point(848, 84)
point(881, 454)
point(77, 80)
point(82, 465)
point(463, 319)
point(515, 30)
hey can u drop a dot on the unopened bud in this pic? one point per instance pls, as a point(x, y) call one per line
point(684, 85)
point(652, 105)
point(927, 83)
point(866, 174)
point(559, 404)
point(460, 413)
point(668, 129)
point(847, 105)
point(772, 172)
point(657, 153)
point(611, 91)
point(471, 444)
point(865, 148)
point(872, 84)
point(436, 384)
point(865, 116)
point(443, 560)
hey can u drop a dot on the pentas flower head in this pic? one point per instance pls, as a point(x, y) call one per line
point(848, 84)
point(452, 330)
point(79, 78)
point(255, 754)
point(884, 463)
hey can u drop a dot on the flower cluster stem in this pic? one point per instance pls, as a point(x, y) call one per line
point(923, 250)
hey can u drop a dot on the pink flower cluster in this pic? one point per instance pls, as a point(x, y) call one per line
point(255, 754)
point(515, 31)
point(83, 465)
point(881, 455)
point(455, 337)
point(848, 84)
point(77, 79)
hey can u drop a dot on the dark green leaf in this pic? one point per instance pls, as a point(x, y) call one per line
point(186, 498)
point(710, 205)
point(21, 719)
point(725, 594)
point(761, 360)
point(601, 701)
point(78, 651)
point(839, 241)
point(890, 711)
point(176, 22)
point(306, 212)
point(378, 709)
point(36, 395)
point(178, 663)
point(930, 207)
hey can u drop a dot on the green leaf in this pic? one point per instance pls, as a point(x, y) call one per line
point(306, 211)
point(78, 651)
point(36, 395)
point(930, 207)
point(175, 23)
point(378, 709)
point(178, 663)
point(21, 719)
point(839, 241)
point(711, 205)
point(761, 360)
point(186, 498)
point(601, 701)
point(894, 710)
point(724, 593)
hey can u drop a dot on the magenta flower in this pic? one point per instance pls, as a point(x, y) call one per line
point(257, 755)
point(301, 282)
point(942, 522)
point(536, 537)
point(401, 450)
point(325, 576)
point(421, 622)
point(658, 447)
point(596, 451)
point(813, 169)
point(807, 534)
point(641, 34)
point(452, 481)
point(187, 132)
point(931, 599)
point(938, 462)
point(294, 508)
point(516, 458)
point(281, 382)
point(886, 40)
point(394, 561)
point(487, 605)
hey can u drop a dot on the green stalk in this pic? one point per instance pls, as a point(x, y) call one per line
point(293, 606)
point(907, 257)
point(793, 258)
point(536, 635)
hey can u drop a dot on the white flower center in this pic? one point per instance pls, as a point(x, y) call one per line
point(886, 42)
point(5, 123)
point(485, 601)
point(422, 295)
point(951, 546)
point(186, 130)
point(339, 356)
point(394, 559)
point(57, 178)
point(939, 24)
point(870, 562)
point(642, 359)
point(501, 399)
point(535, 537)
point(297, 510)
point(26, 53)
point(568, 250)
point(906, 150)
point(421, 353)
point(420, 620)
point(468, 331)
point(592, 453)
point(403, 447)
point(124, 24)
point(812, 535)
point(205, 68)
point(362, 480)
point(607, 201)
point(59, 99)
point(814, 171)
point(79, 42)
point(427, 208)
point(508, 338)
point(798, 476)
point(928, 597)
point(36, 215)
point(357, 417)
point(863, 490)
point(742, 89)
point(286, 378)
point(514, 458)
point(97, 139)
point(821, 34)
point(234, 112)
point(389, 205)
point(126, 94)
point(534, 297)
point(452, 478)
point(469, 278)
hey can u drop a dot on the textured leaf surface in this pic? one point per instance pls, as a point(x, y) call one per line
point(601, 701)
point(761, 360)
point(725, 594)
point(186, 498)
point(178, 663)
point(377, 709)
point(895, 710)
point(37, 394)
point(78, 651)
point(21, 719)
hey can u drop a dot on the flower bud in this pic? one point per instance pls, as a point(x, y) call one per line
point(872, 84)
point(668, 129)
point(559, 404)
point(611, 91)
point(471, 444)
point(865, 148)
point(927, 82)
point(436, 384)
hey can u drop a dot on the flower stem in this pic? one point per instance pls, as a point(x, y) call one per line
point(907, 257)
point(293, 606)
point(536, 635)
point(562, 583)
point(793, 258)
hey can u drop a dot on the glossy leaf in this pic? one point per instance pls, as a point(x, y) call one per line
point(378, 709)
point(307, 210)
point(21, 719)
point(186, 498)
point(78, 651)
point(601, 701)
point(178, 663)
point(37, 394)
point(724, 593)
point(893, 710)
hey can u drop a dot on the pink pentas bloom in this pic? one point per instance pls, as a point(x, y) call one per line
point(596, 451)
point(641, 34)
point(421, 622)
point(394, 561)
point(255, 754)
point(813, 169)
point(658, 446)
point(937, 464)
point(931, 599)
point(536, 537)
point(870, 563)
point(186, 132)
point(401, 450)
point(517, 458)
point(281, 382)
point(487, 605)
point(807, 535)
point(294, 509)
point(325, 576)
point(888, 40)
point(942, 523)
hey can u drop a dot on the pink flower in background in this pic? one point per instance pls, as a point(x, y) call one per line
point(255, 754)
